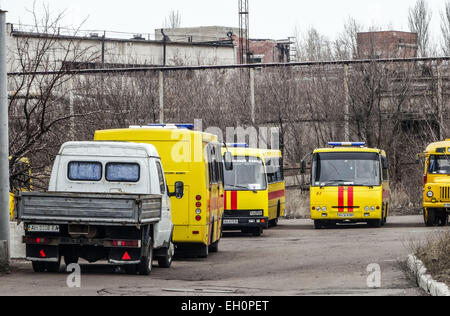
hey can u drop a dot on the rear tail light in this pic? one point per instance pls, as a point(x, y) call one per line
point(198, 197)
point(36, 240)
point(125, 243)
point(198, 204)
point(198, 218)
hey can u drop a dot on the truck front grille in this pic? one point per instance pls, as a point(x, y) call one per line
point(445, 194)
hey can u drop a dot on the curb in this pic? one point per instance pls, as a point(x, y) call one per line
point(424, 280)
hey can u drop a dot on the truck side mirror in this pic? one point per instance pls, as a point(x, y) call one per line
point(303, 167)
point(228, 161)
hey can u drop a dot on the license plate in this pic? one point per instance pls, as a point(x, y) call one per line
point(33, 228)
point(231, 221)
point(256, 213)
point(346, 215)
point(447, 205)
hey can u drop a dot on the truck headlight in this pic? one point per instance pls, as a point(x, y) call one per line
point(430, 194)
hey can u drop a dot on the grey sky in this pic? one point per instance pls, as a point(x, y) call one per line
point(268, 18)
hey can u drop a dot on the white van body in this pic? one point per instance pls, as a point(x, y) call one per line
point(150, 180)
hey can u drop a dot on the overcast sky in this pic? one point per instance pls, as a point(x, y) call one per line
point(274, 19)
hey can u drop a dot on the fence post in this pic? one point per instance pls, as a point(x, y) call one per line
point(161, 97)
point(346, 105)
point(252, 94)
point(4, 149)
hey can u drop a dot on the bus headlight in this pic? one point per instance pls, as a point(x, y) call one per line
point(372, 208)
point(367, 209)
point(318, 209)
point(430, 194)
point(324, 209)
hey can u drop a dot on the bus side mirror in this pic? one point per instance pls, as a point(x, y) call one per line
point(179, 190)
point(228, 161)
point(385, 163)
point(303, 167)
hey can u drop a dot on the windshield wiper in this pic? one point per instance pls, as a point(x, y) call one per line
point(331, 182)
point(240, 187)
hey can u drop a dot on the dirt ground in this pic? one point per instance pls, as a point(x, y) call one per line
point(291, 259)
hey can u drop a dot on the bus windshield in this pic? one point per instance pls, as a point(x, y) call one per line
point(247, 175)
point(439, 165)
point(346, 169)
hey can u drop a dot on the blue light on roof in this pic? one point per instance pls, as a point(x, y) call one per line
point(238, 145)
point(346, 144)
point(183, 126)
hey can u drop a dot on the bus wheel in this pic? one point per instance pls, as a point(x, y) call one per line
point(318, 224)
point(429, 217)
point(214, 247)
point(257, 231)
point(203, 251)
point(375, 223)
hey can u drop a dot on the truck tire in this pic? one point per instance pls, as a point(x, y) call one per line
point(53, 267)
point(443, 220)
point(429, 217)
point(166, 261)
point(257, 231)
point(38, 267)
point(145, 267)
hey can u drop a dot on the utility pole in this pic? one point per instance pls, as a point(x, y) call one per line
point(4, 148)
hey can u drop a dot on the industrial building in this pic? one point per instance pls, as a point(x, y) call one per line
point(387, 44)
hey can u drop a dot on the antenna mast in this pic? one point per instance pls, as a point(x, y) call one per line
point(244, 44)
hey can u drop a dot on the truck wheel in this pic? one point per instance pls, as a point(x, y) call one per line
point(214, 247)
point(38, 267)
point(145, 267)
point(429, 217)
point(53, 267)
point(166, 261)
point(443, 218)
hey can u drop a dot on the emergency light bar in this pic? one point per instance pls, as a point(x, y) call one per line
point(346, 144)
point(173, 126)
point(238, 145)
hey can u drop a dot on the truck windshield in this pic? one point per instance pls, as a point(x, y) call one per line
point(247, 175)
point(346, 169)
point(439, 165)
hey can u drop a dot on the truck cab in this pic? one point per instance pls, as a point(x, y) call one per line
point(436, 184)
point(105, 201)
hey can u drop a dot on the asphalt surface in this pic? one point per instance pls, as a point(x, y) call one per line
point(291, 259)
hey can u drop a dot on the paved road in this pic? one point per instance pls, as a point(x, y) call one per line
point(292, 259)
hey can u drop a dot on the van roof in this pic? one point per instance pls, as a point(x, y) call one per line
point(150, 133)
point(348, 150)
point(108, 149)
point(256, 152)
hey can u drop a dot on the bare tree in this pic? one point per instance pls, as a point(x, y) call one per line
point(39, 106)
point(346, 45)
point(173, 21)
point(445, 27)
point(419, 22)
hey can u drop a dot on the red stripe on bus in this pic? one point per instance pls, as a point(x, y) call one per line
point(350, 199)
point(276, 194)
point(341, 199)
point(225, 200)
point(234, 200)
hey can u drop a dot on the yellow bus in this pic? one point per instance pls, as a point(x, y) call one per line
point(436, 184)
point(254, 189)
point(22, 182)
point(349, 184)
point(193, 158)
